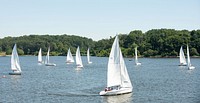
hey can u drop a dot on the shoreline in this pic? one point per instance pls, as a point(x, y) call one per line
point(124, 57)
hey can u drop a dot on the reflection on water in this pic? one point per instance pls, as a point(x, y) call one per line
point(15, 77)
point(15, 82)
point(124, 98)
point(78, 69)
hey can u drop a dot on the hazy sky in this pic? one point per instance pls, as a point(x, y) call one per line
point(95, 19)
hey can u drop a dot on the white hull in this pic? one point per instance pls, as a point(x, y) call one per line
point(41, 62)
point(69, 62)
point(191, 67)
point(138, 63)
point(50, 64)
point(79, 66)
point(116, 92)
point(183, 64)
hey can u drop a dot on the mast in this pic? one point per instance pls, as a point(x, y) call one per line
point(88, 55)
point(47, 57)
point(40, 55)
point(188, 56)
point(120, 66)
point(136, 58)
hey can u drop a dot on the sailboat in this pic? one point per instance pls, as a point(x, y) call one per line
point(47, 63)
point(188, 59)
point(70, 58)
point(182, 58)
point(79, 63)
point(40, 56)
point(15, 66)
point(88, 56)
point(136, 57)
point(118, 81)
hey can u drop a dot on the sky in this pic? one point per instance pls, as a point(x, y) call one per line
point(95, 19)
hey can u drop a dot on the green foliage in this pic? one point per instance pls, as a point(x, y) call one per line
point(8, 51)
point(59, 44)
point(155, 42)
point(194, 52)
point(103, 53)
point(150, 52)
point(20, 51)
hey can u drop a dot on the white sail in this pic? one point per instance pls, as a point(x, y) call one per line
point(188, 56)
point(117, 73)
point(78, 58)
point(47, 63)
point(124, 73)
point(188, 59)
point(70, 58)
point(88, 56)
point(118, 81)
point(182, 57)
point(113, 74)
point(136, 57)
point(47, 56)
point(40, 56)
point(15, 66)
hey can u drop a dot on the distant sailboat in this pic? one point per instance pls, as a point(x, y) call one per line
point(88, 56)
point(182, 58)
point(118, 81)
point(70, 58)
point(188, 59)
point(40, 56)
point(136, 57)
point(47, 63)
point(79, 63)
point(15, 66)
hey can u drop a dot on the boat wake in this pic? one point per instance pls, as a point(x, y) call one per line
point(73, 94)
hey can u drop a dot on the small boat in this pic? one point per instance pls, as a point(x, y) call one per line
point(40, 56)
point(47, 63)
point(70, 58)
point(190, 67)
point(118, 81)
point(182, 58)
point(136, 58)
point(15, 66)
point(88, 56)
point(79, 63)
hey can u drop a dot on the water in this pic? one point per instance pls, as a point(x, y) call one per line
point(157, 80)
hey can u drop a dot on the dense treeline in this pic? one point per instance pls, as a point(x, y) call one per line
point(155, 42)
point(59, 44)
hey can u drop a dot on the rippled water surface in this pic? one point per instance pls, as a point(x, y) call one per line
point(157, 80)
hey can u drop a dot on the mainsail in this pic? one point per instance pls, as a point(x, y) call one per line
point(15, 66)
point(117, 73)
point(70, 58)
point(182, 56)
point(88, 56)
point(40, 56)
point(78, 58)
point(47, 57)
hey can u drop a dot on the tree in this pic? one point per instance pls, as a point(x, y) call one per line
point(155, 42)
point(194, 52)
point(20, 51)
